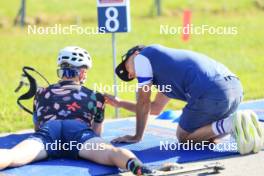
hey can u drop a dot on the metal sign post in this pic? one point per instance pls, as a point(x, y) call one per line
point(113, 16)
point(114, 66)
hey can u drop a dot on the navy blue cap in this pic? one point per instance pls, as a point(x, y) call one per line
point(120, 70)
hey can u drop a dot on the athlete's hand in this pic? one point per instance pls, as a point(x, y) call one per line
point(126, 139)
point(112, 100)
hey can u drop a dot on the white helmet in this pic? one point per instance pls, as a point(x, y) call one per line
point(75, 56)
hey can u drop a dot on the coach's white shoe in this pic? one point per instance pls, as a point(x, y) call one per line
point(258, 131)
point(241, 123)
point(248, 132)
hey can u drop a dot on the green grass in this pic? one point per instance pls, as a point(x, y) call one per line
point(242, 53)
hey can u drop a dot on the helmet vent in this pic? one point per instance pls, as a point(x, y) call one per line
point(74, 59)
point(80, 54)
point(65, 57)
point(80, 60)
point(74, 54)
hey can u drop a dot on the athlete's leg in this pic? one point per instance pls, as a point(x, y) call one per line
point(95, 149)
point(35, 148)
point(105, 153)
point(25, 152)
point(5, 158)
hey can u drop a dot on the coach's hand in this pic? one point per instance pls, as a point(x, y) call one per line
point(112, 100)
point(126, 139)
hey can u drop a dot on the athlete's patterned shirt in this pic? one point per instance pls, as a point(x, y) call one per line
point(66, 100)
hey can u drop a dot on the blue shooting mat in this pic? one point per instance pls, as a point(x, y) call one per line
point(158, 146)
point(151, 150)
